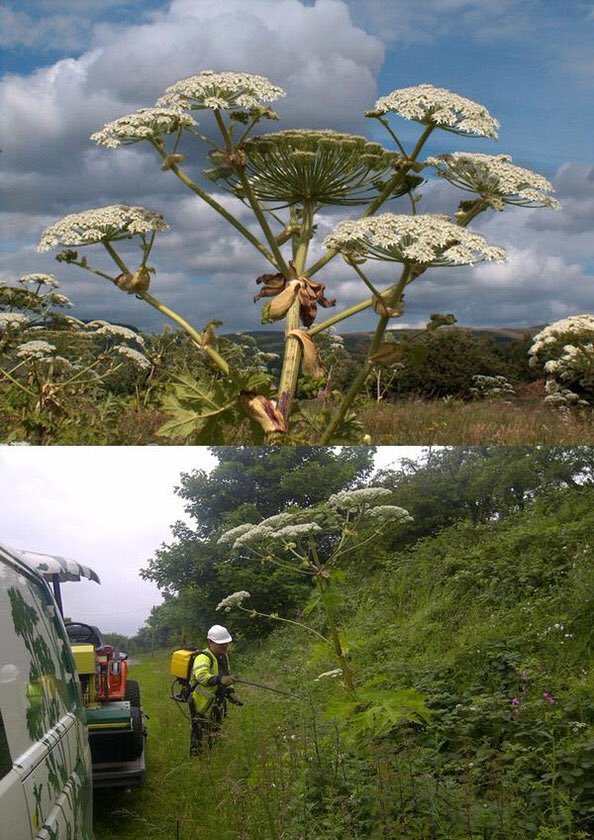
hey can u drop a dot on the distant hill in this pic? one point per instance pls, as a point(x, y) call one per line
point(272, 341)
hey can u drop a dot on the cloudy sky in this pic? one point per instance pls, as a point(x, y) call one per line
point(68, 68)
point(109, 508)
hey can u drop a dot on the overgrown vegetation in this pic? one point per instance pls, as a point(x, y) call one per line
point(63, 381)
point(482, 605)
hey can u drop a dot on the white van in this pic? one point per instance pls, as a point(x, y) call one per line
point(45, 761)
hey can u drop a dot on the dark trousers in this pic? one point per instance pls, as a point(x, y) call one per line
point(204, 728)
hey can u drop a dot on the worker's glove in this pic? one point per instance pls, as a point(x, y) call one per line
point(233, 698)
point(227, 680)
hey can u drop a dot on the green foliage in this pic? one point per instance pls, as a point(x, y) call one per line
point(472, 648)
point(374, 713)
point(200, 408)
point(444, 362)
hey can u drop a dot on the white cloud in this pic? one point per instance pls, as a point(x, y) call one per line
point(107, 507)
point(329, 67)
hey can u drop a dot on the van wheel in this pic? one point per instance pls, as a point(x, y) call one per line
point(133, 693)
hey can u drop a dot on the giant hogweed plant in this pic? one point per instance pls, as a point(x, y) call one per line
point(48, 358)
point(314, 542)
point(287, 179)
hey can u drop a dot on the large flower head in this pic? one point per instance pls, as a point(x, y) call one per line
point(495, 178)
point(228, 91)
point(439, 107)
point(39, 279)
point(424, 239)
point(571, 330)
point(357, 499)
point(36, 350)
point(565, 351)
point(144, 124)
point(103, 224)
point(321, 166)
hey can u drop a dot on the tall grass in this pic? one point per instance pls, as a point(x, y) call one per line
point(453, 422)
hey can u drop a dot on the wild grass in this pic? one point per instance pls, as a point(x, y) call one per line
point(454, 422)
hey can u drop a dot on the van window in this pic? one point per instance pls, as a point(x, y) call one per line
point(5, 759)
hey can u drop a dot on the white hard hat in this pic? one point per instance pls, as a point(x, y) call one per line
point(219, 635)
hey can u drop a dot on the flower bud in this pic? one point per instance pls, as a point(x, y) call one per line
point(172, 160)
point(264, 412)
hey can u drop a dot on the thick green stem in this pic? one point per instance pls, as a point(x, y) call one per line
point(347, 674)
point(194, 334)
point(116, 258)
point(293, 349)
point(359, 380)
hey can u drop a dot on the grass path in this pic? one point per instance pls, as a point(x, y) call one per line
point(230, 792)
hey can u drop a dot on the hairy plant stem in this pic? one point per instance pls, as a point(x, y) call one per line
point(194, 334)
point(293, 348)
point(286, 621)
point(172, 314)
point(359, 380)
point(191, 185)
point(279, 260)
point(323, 585)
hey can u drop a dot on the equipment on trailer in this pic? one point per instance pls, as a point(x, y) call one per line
point(112, 701)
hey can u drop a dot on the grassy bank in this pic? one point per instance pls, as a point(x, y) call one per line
point(491, 623)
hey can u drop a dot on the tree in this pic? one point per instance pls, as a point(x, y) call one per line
point(248, 485)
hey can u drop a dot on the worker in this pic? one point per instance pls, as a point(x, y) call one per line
point(212, 687)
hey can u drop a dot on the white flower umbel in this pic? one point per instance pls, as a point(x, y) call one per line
point(35, 350)
point(424, 239)
point(234, 600)
point(40, 280)
point(495, 178)
point(213, 90)
point(229, 537)
point(106, 329)
point(355, 499)
point(133, 356)
point(279, 520)
point(13, 321)
point(389, 513)
point(320, 166)
point(103, 224)
point(295, 532)
point(558, 332)
point(144, 124)
point(439, 107)
point(256, 534)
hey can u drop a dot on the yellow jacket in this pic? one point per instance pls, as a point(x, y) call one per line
point(204, 672)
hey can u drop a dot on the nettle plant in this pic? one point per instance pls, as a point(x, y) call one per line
point(288, 179)
point(314, 542)
point(565, 352)
point(48, 357)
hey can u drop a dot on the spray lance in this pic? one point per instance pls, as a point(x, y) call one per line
point(266, 688)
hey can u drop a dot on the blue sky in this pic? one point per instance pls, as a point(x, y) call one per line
point(530, 62)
